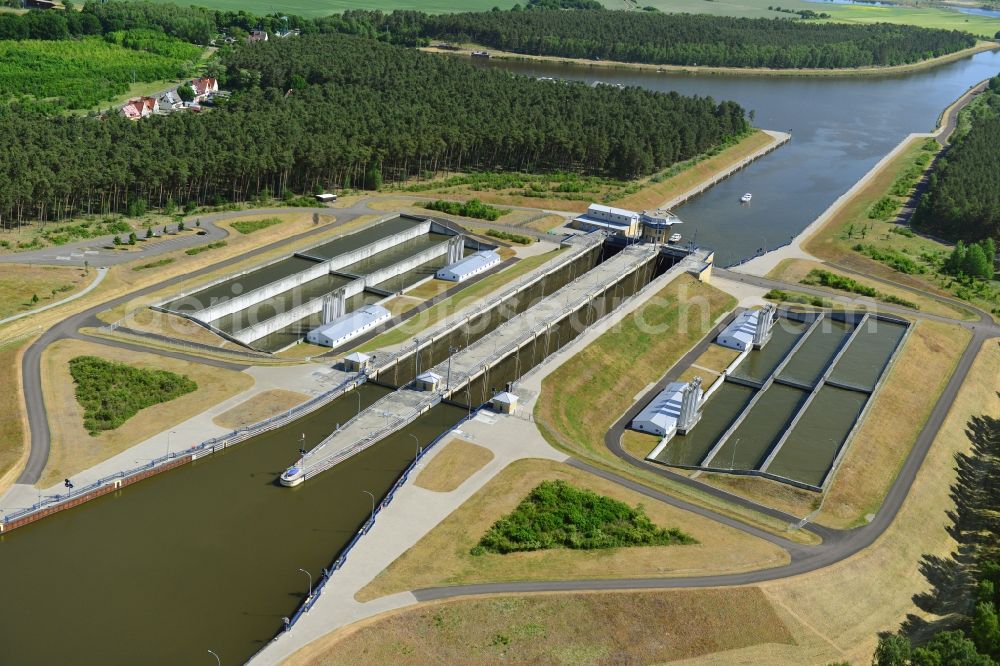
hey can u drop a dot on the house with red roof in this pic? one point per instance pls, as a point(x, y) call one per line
point(204, 87)
point(135, 109)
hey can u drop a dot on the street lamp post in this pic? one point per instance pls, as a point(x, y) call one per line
point(372, 517)
point(310, 582)
point(417, 442)
point(217, 660)
point(169, 433)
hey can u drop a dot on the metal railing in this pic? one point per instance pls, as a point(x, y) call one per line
point(366, 527)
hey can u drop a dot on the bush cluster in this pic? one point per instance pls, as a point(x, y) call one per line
point(112, 393)
point(557, 515)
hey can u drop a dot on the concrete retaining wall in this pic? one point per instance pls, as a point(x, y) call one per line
point(279, 321)
point(255, 296)
point(373, 248)
point(407, 264)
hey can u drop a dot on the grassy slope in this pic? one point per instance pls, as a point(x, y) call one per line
point(442, 557)
point(558, 629)
point(73, 450)
point(12, 426)
point(832, 243)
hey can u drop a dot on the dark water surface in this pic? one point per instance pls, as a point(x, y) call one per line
point(841, 127)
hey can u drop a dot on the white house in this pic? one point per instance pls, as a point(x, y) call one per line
point(204, 87)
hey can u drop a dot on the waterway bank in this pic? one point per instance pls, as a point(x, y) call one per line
point(466, 50)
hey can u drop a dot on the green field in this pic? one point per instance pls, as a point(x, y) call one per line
point(323, 7)
point(79, 74)
point(927, 17)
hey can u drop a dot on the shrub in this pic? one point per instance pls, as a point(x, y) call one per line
point(205, 248)
point(513, 238)
point(892, 258)
point(111, 393)
point(883, 209)
point(250, 226)
point(471, 208)
point(557, 515)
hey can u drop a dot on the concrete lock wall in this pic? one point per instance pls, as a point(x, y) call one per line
point(407, 264)
point(373, 248)
point(279, 321)
point(251, 298)
point(322, 267)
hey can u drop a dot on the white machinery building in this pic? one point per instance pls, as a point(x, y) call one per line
point(348, 326)
point(675, 409)
point(607, 218)
point(474, 264)
point(750, 329)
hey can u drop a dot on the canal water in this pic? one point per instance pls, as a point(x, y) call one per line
point(749, 444)
point(717, 416)
point(205, 556)
point(810, 360)
point(760, 363)
point(841, 127)
point(813, 443)
point(863, 362)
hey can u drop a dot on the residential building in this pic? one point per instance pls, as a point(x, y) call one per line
point(204, 87)
point(169, 101)
point(257, 36)
point(135, 109)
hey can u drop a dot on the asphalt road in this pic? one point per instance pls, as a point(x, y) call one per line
point(69, 328)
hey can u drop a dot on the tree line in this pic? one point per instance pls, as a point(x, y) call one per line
point(963, 628)
point(962, 200)
point(668, 39)
point(332, 110)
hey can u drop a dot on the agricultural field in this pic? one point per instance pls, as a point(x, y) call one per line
point(924, 17)
point(86, 73)
point(324, 7)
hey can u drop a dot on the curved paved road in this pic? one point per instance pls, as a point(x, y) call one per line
point(69, 328)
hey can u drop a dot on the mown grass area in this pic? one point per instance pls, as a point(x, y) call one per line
point(852, 238)
point(250, 226)
point(449, 306)
point(74, 450)
point(444, 555)
point(24, 288)
point(556, 514)
point(584, 396)
point(259, 407)
point(570, 629)
point(455, 463)
point(639, 444)
point(12, 426)
point(112, 393)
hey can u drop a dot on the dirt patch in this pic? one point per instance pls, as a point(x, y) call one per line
point(73, 450)
point(443, 556)
point(605, 628)
point(259, 407)
point(453, 465)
